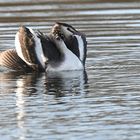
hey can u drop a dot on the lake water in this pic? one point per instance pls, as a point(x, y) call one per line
point(102, 103)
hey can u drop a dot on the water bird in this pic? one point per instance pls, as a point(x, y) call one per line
point(63, 49)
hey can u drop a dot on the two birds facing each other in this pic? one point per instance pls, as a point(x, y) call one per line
point(64, 48)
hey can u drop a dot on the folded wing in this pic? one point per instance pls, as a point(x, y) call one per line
point(10, 59)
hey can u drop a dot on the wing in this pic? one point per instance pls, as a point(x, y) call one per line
point(10, 59)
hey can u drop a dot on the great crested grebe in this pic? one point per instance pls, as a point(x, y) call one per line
point(62, 50)
point(65, 39)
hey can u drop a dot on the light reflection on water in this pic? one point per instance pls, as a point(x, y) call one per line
point(40, 91)
point(102, 103)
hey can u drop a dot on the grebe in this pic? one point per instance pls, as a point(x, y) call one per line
point(71, 44)
point(62, 50)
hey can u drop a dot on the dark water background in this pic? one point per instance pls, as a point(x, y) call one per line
point(101, 104)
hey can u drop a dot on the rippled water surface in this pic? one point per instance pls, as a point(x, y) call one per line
point(102, 103)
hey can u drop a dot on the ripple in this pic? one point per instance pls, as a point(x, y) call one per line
point(102, 102)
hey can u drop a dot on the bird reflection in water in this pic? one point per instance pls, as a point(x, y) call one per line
point(65, 83)
point(55, 83)
point(34, 84)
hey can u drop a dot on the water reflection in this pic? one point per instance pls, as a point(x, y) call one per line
point(62, 83)
point(18, 80)
point(59, 83)
point(31, 85)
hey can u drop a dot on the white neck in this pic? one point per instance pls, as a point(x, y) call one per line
point(81, 46)
point(38, 49)
point(19, 50)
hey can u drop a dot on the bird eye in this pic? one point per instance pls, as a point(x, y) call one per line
point(68, 29)
point(71, 30)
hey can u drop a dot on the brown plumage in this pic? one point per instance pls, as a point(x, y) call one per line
point(27, 43)
point(10, 59)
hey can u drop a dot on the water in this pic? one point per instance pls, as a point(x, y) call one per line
point(102, 103)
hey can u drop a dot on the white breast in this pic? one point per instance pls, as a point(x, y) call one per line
point(70, 62)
